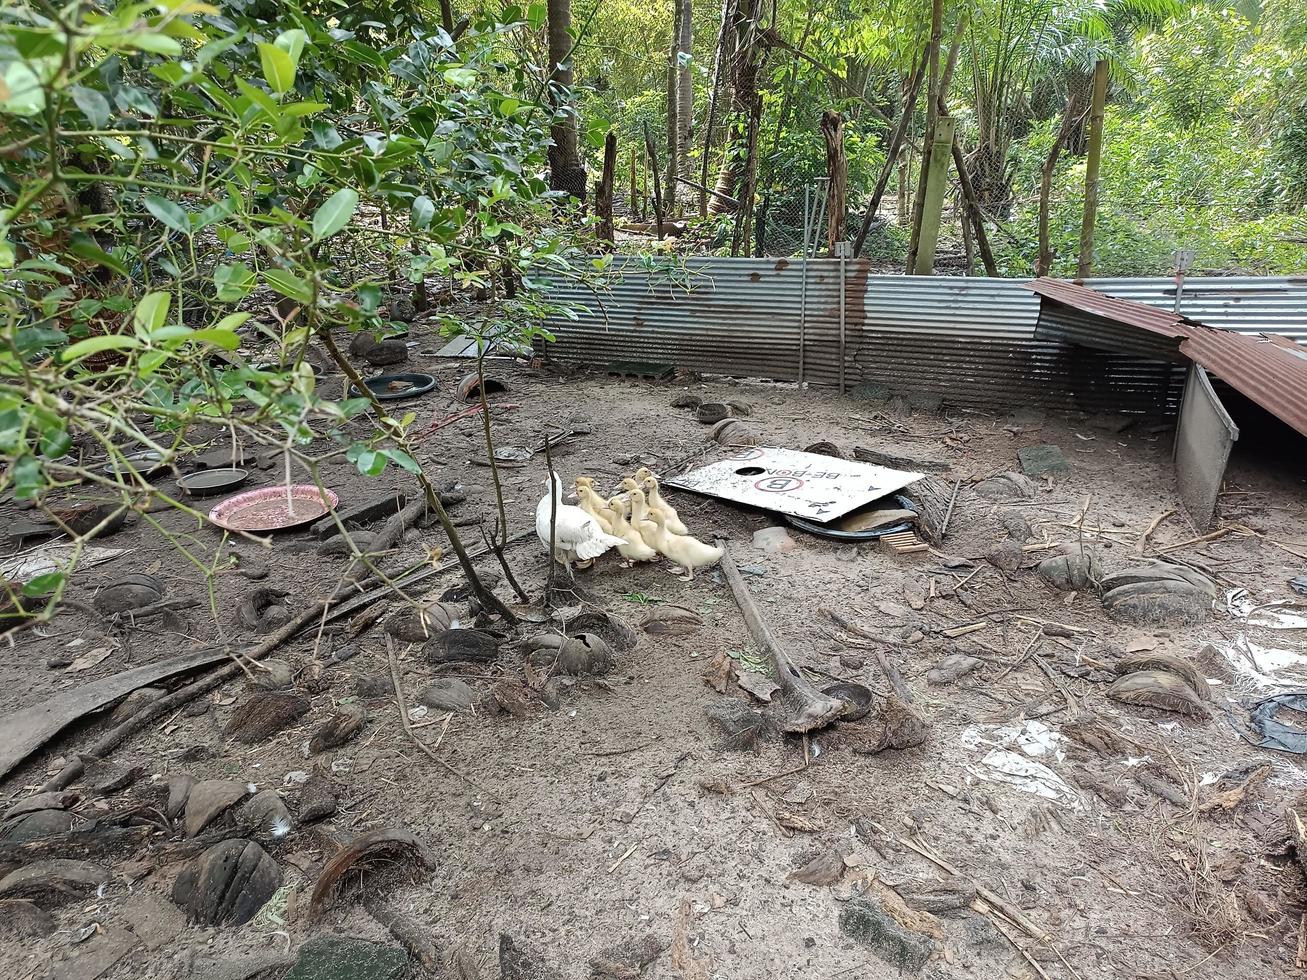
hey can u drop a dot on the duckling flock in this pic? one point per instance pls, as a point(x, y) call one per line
point(639, 524)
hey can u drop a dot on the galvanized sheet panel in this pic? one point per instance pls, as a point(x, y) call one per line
point(1204, 436)
point(1246, 304)
point(738, 317)
point(1063, 324)
point(970, 340)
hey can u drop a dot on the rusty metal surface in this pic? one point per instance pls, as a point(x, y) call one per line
point(1164, 323)
point(1204, 436)
point(1270, 371)
point(821, 488)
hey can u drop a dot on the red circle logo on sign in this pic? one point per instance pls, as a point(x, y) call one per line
point(778, 484)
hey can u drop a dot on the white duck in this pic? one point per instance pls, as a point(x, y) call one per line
point(690, 553)
point(635, 549)
point(577, 535)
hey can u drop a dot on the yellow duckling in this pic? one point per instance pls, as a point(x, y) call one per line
point(594, 505)
point(657, 505)
point(635, 548)
point(690, 553)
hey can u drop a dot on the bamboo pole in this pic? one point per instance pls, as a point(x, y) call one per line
point(932, 203)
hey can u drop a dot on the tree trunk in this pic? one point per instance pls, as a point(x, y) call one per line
point(928, 138)
point(604, 192)
point(447, 17)
point(837, 169)
point(1044, 262)
point(685, 89)
point(652, 151)
point(720, 58)
point(977, 219)
point(673, 114)
point(1085, 266)
point(932, 197)
point(566, 172)
point(634, 191)
point(744, 214)
point(746, 64)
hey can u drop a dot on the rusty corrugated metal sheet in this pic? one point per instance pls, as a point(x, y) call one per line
point(1164, 323)
point(1271, 372)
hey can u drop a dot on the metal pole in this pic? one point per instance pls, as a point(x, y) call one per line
point(843, 251)
point(803, 278)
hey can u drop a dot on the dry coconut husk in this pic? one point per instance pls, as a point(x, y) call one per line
point(369, 854)
point(1157, 689)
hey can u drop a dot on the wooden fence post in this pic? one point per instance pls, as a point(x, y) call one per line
point(932, 205)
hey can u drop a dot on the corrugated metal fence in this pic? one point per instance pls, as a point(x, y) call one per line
point(969, 341)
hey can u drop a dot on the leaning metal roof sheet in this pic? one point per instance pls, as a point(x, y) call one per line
point(1269, 369)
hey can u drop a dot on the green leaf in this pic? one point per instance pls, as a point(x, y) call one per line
point(84, 247)
point(21, 93)
point(536, 15)
point(370, 462)
point(404, 460)
point(234, 282)
point(460, 77)
point(43, 584)
point(93, 345)
point(278, 67)
point(95, 107)
point(156, 43)
point(289, 285)
point(169, 213)
point(509, 106)
point(423, 212)
point(334, 214)
point(292, 42)
point(219, 336)
point(150, 313)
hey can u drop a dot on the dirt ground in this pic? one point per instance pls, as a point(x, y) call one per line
point(616, 830)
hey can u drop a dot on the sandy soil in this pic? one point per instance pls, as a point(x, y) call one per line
point(618, 814)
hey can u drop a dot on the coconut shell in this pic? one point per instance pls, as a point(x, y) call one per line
point(1159, 689)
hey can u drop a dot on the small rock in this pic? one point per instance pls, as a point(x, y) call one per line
point(343, 725)
point(35, 824)
point(448, 694)
point(1038, 460)
point(373, 686)
point(386, 352)
point(951, 668)
point(1006, 486)
point(22, 919)
point(59, 661)
point(516, 962)
point(686, 400)
point(865, 922)
point(361, 343)
point(208, 799)
point(1006, 555)
point(317, 800)
point(265, 815)
point(1016, 525)
point(742, 726)
point(348, 958)
point(1071, 572)
point(273, 675)
point(197, 708)
point(773, 540)
point(227, 884)
point(104, 778)
point(179, 790)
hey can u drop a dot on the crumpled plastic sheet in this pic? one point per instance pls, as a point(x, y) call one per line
point(1275, 734)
